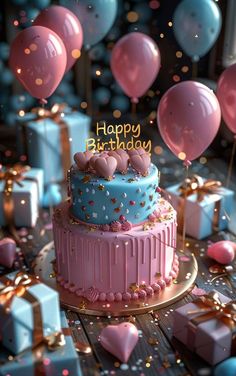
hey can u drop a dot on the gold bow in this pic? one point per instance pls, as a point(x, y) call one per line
point(210, 306)
point(196, 184)
point(15, 287)
point(55, 113)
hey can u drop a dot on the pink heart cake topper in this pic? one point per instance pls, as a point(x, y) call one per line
point(7, 252)
point(140, 162)
point(82, 159)
point(122, 159)
point(120, 340)
point(95, 157)
point(105, 167)
point(138, 151)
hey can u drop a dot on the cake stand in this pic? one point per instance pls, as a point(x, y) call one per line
point(188, 268)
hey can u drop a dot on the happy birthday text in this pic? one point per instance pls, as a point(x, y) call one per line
point(129, 133)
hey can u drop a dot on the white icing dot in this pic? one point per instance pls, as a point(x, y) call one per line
point(106, 216)
point(124, 195)
point(107, 193)
point(87, 190)
point(93, 191)
point(104, 207)
point(121, 205)
point(127, 211)
point(94, 215)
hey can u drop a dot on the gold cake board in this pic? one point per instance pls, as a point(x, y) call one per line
point(188, 269)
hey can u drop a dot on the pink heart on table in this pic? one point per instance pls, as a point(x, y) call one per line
point(140, 162)
point(105, 167)
point(122, 159)
point(82, 159)
point(120, 340)
point(7, 252)
point(138, 151)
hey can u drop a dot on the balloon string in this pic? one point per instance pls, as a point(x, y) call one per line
point(133, 110)
point(88, 80)
point(184, 211)
point(229, 174)
point(194, 69)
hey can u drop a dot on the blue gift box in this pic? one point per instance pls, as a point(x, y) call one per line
point(200, 215)
point(26, 197)
point(19, 321)
point(42, 361)
point(46, 146)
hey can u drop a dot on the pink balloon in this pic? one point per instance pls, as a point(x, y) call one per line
point(135, 63)
point(65, 24)
point(188, 119)
point(226, 93)
point(38, 59)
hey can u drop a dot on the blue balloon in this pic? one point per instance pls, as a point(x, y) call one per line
point(102, 96)
point(120, 102)
point(4, 50)
point(144, 12)
point(226, 368)
point(6, 77)
point(196, 26)
point(96, 17)
point(41, 4)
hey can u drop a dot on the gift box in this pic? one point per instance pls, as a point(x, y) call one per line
point(41, 361)
point(206, 327)
point(29, 312)
point(207, 208)
point(21, 194)
point(50, 138)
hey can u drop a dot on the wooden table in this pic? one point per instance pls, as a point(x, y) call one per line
point(156, 353)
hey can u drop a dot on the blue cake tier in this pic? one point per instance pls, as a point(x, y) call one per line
point(128, 197)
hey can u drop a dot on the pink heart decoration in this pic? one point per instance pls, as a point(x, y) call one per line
point(7, 252)
point(120, 340)
point(122, 159)
point(105, 167)
point(82, 159)
point(140, 162)
point(93, 159)
point(138, 151)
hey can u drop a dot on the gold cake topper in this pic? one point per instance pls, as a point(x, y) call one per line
point(122, 136)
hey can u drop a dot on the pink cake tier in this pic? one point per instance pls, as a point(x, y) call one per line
point(115, 266)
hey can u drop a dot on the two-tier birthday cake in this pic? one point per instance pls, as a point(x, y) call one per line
point(115, 237)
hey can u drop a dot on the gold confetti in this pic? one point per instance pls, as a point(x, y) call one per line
point(132, 319)
point(101, 187)
point(134, 287)
point(158, 275)
point(153, 341)
point(86, 179)
point(82, 305)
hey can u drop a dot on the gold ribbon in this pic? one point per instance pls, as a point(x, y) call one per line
point(211, 307)
point(55, 113)
point(11, 176)
point(19, 287)
point(196, 185)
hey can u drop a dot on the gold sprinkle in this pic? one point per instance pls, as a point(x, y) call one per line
point(83, 305)
point(132, 319)
point(86, 179)
point(134, 287)
point(131, 180)
point(149, 359)
point(158, 275)
point(101, 187)
point(153, 341)
point(75, 53)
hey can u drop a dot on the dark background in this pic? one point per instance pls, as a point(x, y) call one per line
point(104, 97)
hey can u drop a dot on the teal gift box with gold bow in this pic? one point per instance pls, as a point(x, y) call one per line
point(207, 326)
point(61, 360)
point(29, 312)
point(51, 137)
point(205, 203)
point(21, 194)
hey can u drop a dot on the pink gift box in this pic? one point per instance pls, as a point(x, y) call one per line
point(211, 339)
